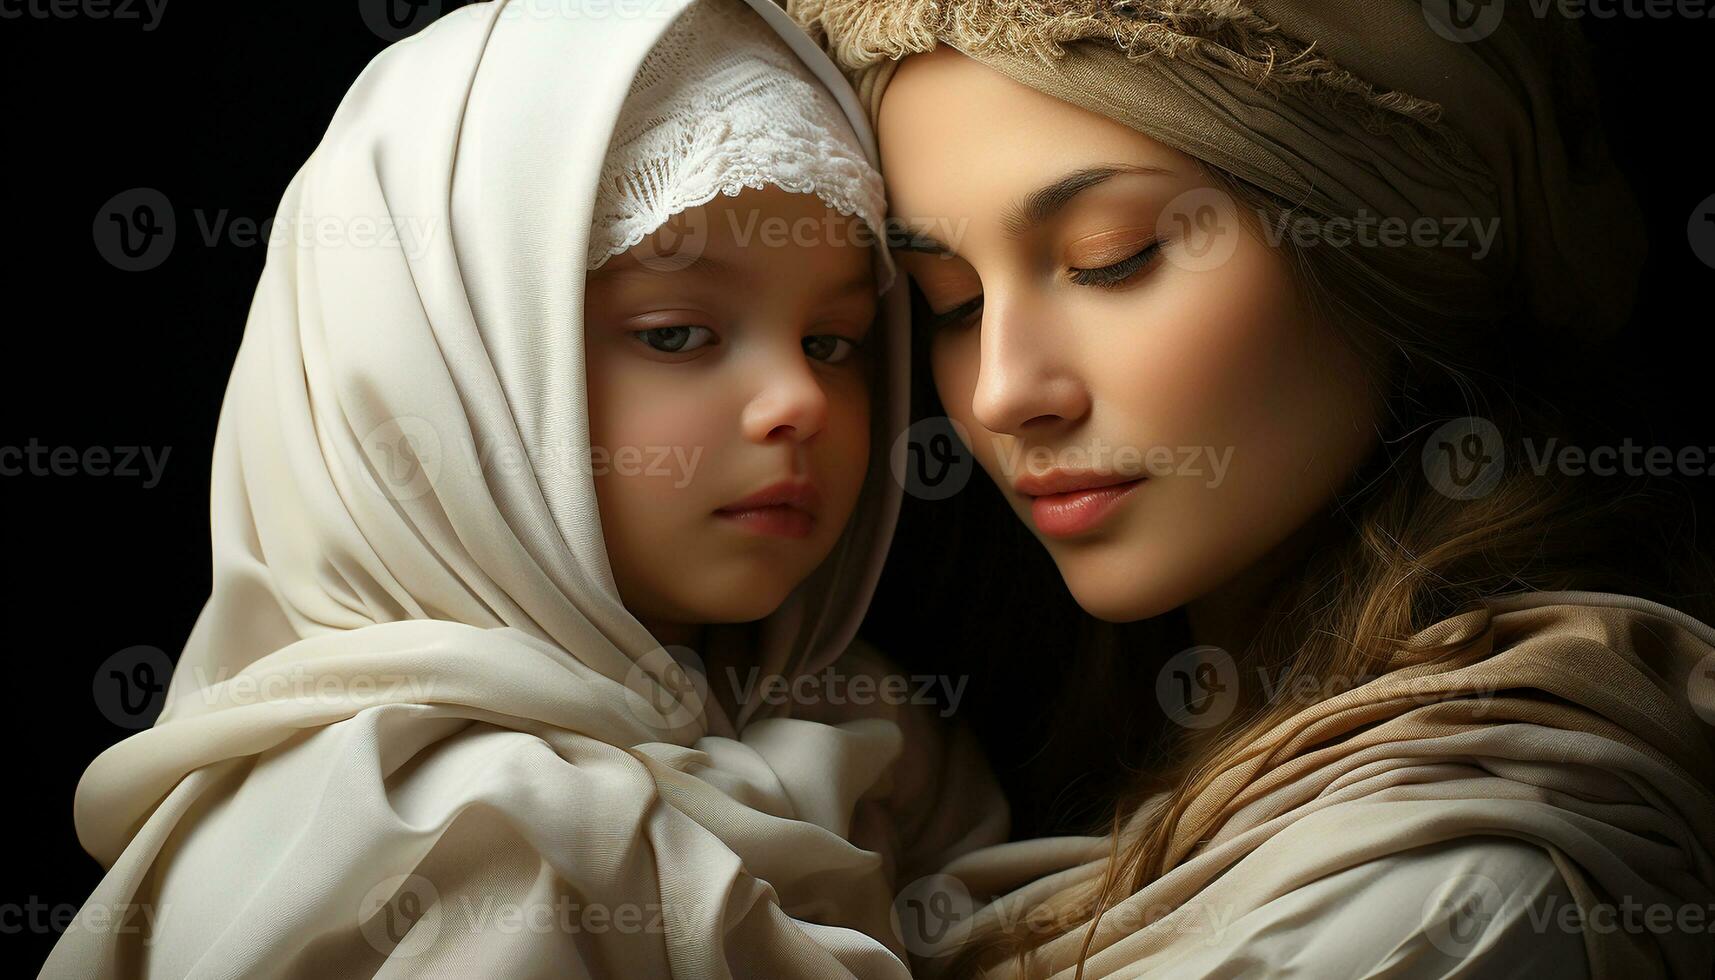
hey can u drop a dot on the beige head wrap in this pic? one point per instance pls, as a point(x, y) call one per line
point(1384, 108)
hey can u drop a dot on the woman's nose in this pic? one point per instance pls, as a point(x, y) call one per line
point(790, 403)
point(1025, 377)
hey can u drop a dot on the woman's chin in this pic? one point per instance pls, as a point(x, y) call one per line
point(1118, 588)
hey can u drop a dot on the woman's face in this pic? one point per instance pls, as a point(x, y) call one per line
point(714, 379)
point(1103, 319)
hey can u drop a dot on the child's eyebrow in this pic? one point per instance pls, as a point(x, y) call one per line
point(711, 267)
point(707, 266)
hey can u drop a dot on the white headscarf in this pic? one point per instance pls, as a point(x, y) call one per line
point(722, 104)
point(414, 703)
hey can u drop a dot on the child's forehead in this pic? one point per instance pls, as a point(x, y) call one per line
point(752, 238)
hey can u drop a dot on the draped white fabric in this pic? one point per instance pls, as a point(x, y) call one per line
point(414, 731)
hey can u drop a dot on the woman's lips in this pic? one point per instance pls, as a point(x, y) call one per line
point(778, 519)
point(1076, 511)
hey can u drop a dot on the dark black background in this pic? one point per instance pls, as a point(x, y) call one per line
point(217, 106)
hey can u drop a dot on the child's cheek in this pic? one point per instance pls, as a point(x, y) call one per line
point(666, 436)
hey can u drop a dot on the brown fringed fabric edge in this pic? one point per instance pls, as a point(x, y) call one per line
point(1218, 35)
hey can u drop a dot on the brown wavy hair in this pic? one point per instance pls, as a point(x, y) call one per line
point(1391, 555)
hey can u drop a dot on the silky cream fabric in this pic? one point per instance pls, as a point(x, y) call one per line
point(1578, 723)
point(414, 731)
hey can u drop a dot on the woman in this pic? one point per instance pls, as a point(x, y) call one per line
point(1253, 313)
point(438, 716)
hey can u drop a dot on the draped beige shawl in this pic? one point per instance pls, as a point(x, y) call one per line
point(1582, 723)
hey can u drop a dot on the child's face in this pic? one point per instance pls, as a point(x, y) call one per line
point(713, 379)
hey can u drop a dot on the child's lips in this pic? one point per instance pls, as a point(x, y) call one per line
point(798, 494)
point(786, 508)
point(775, 519)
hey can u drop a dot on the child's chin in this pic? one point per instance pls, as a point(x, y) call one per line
point(753, 597)
point(758, 604)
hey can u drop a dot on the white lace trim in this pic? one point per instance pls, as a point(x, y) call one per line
point(719, 105)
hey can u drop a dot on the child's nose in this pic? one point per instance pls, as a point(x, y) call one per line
point(789, 404)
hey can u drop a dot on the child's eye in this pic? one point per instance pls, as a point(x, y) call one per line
point(829, 348)
point(675, 340)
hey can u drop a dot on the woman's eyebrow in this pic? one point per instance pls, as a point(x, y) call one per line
point(1031, 210)
point(1040, 204)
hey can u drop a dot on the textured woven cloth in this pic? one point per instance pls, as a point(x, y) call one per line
point(1350, 109)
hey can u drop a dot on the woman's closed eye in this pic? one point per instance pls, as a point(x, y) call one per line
point(1118, 273)
point(957, 316)
point(1109, 276)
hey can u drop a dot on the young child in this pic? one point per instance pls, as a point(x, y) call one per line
point(477, 515)
point(731, 365)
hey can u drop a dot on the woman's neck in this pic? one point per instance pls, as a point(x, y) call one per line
point(1230, 615)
